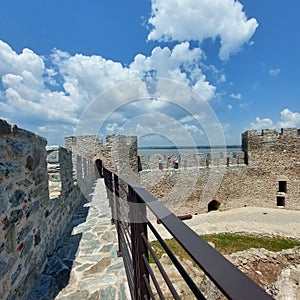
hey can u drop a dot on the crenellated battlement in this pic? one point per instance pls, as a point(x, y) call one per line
point(202, 159)
point(272, 132)
point(119, 152)
point(84, 145)
point(270, 140)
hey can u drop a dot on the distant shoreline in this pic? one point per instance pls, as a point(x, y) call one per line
point(190, 147)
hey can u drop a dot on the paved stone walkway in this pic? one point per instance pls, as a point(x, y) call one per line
point(85, 264)
point(257, 220)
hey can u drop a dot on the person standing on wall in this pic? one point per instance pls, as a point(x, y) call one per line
point(175, 163)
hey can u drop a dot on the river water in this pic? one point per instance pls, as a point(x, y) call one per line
point(164, 152)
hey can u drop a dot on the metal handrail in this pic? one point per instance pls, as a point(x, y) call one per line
point(233, 283)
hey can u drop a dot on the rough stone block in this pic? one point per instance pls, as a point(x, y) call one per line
point(17, 198)
point(37, 156)
point(30, 165)
point(52, 148)
point(4, 127)
point(53, 156)
point(5, 265)
point(37, 238)
point(39, 178)
point(53, 168)
point(10, 239)
point(54, 177)
point(33, 207)
point(19, 148)
point(3, 200)
point(11, 168)
point(27, 246)
point(16, 274)
point(24, 231)
point(15, 216)
point(108, 293)
point(47, 213)
point(25, 183)
point(44, 281)
point(44, 197)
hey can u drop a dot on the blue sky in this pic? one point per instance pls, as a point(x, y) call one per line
point(70, 67)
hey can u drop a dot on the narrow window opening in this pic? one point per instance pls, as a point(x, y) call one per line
point(282, 187)
point(99, 167)
point(140, 167)
point(280, 201)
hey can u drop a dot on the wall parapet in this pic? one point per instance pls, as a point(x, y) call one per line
point(31, 221)
point(269, 147)
point(119, 153)
point(18, 133)
point(273, 132)
point(210, 159)
point(24, 200)
point(60, 171)
point(253, 139)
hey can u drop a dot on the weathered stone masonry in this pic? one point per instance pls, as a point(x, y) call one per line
point(24, 202)
point(119, 153)
point(31, 221)
point(265, 173)
point(267, 176)
point(40, 187)
point(274, 158)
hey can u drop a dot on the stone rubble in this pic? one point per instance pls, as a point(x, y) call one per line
point(276, 272)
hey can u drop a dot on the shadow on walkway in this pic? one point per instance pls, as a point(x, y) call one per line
point(56, 273)
point(85, 264)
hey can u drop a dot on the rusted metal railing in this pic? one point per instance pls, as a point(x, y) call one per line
point(129, 204)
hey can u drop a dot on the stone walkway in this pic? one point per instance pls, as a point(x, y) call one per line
point(85, 264)
point(257, 220)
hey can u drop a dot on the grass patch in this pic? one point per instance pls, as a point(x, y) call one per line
point(230, 243)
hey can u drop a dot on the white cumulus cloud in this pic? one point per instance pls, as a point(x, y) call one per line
point(40, 95)
point(274, 72)
point(288, 119)
point(236, 96)
point(264, 123)
point(186, 20)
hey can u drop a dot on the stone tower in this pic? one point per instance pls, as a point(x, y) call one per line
point(275, 156)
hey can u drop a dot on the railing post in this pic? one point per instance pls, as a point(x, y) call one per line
point(108, 180)
point(117, 212)
point(139, 248)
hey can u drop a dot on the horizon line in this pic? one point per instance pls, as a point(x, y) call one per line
point(189, 147)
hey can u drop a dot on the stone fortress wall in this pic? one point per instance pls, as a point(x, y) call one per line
point(23, 191)
point(265, 174)
point(118, 153)
point(40, 187)
point(38, 197)
point(211, 157)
